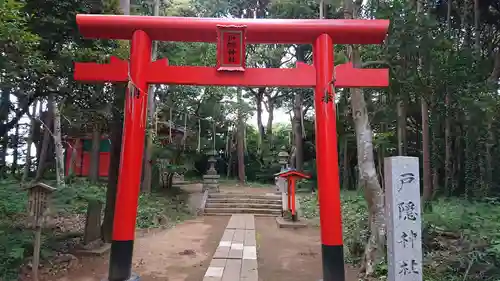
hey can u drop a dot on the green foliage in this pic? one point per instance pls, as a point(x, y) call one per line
point(16, 242)
point(156, 210)
point(461, 240)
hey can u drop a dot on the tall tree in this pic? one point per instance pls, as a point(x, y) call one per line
point(374, 194)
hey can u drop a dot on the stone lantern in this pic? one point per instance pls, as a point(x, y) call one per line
point(283, 158)
point(211, 178)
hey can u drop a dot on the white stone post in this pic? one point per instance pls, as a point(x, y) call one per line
point(404, 222)
point(281, 183)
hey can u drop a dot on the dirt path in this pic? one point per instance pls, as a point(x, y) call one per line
point(292, 255)
point(182, 253)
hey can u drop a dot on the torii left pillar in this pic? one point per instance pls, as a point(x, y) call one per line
point(136, 100)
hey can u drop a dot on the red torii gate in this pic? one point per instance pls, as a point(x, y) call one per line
point(231, 36)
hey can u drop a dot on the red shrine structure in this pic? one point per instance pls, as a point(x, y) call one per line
point(81, 162)
point(231, 37)
point(291, 177)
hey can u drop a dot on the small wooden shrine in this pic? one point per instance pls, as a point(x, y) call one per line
point(82, 144)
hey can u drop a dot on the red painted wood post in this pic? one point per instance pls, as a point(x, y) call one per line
point(289, 202)
point(120, 266)
point(292, 197)
point(327, 162)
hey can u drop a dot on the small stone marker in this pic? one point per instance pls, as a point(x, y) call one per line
point(92, 229)
point(404, 222)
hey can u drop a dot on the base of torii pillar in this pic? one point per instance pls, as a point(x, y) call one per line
point(133, 277)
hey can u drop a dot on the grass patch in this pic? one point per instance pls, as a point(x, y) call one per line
point(461, 238)
point(16, 242)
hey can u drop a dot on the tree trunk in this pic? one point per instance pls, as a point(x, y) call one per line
point(29, 143)
point(495, 73)
point(230, 153)
point(37, 134)
point(259, 99)
point(148, 155)
point(72, 159)
point(297, 119)
point(241, 139)
point(15, 151)
point(345, 168)
point(477, 31)
point(402, 144)
point(4, 139)
point(373, 192)
point(270, 119)
point(47, 135)
point(58, 147)
point(116, 131)
point(374, 195)
point(427, 183)
point(447, 121)
point(297, 131)
point(447, 144)
point(488, 158)
point(95, 155)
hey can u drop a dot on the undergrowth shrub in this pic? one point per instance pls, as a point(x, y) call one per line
point(461, 240)
point(16, 242)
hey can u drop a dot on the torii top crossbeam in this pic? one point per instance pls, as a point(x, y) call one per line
point(187, 29)
point(266, 31)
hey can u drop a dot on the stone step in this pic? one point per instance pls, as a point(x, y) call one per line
point(244, 205)
point(244, 200)
point(243, 195)
point(242, 211)
point(228, 214)
point(180, 182)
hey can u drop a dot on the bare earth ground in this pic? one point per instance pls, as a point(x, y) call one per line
point(291, 255)
point(182, 253)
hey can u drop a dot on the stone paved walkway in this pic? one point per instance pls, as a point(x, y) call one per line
point(236, 256)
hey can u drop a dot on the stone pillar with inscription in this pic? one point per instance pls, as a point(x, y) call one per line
point(281, 183)
point(404, 222)
point(211, 178)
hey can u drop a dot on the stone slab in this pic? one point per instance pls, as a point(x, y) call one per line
point(228, 235)
point(222, 253)
point(249, 253)
point(232, 270)
point(283, 223)
point(210, 278)
point(249, 271)
point(213, 271)
point(236, 222)
point(250, 223)
point(235, 254)
point(239, 236)
point(218, 263)
point(250, 238)
point(92, 230)
point(224, 244)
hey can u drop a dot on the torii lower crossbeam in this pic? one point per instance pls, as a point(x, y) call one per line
point(159, 72)
point(140, 72)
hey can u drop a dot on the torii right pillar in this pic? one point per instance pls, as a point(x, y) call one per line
point(327, 150)
point(327, 162)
